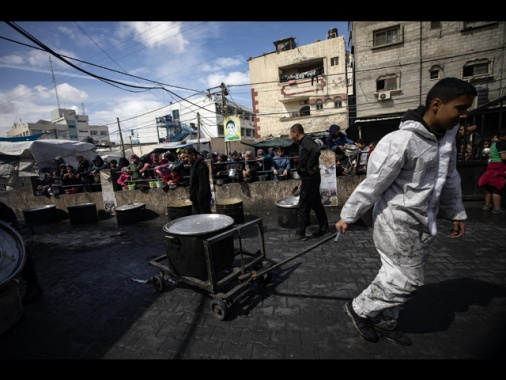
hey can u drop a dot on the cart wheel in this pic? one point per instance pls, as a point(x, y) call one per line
point(159, 283)
point(219, 309)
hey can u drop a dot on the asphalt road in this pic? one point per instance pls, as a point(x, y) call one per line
point(100, 302)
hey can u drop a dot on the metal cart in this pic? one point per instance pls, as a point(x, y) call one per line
point(229, 285)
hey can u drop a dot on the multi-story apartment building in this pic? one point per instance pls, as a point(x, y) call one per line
point(65, 124)
point(397, 62)
point(194, 118)
point(307, 84)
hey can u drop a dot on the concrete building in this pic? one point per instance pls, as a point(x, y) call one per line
point(397, 62)
point(65, 124)
point(307, 84)
point(194, 118)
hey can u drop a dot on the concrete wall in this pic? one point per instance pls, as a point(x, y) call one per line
point(257, 196)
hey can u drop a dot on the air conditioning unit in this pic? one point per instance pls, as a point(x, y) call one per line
point(383, 95)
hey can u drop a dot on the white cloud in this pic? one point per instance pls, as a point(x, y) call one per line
point(67, 92)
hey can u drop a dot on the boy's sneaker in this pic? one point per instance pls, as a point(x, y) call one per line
point(363, 325)
point(394, 336)
point(297, 237)
point(498, 211)
point(487, 208)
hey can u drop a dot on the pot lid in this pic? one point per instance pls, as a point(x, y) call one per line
point(184, 203)
point(12, 252)
point(291, 202)
point(229, 201)
point(40, 208)
point(198, 224)
point(130, 206)
point(82, 205)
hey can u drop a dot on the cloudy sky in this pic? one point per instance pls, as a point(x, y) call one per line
point(110, 70)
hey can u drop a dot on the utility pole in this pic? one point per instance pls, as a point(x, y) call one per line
point(198, 130)
point(121, 138)
point(54, 82)
point(224, 93)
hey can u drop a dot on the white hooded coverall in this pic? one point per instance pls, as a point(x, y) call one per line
point(411, 178)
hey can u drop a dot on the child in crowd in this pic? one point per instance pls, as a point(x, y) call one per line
point(124, 177)
point(173, 177)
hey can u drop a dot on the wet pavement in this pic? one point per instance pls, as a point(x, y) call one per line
point(100, 302)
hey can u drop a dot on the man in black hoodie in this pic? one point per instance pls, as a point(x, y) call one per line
point(308, 168)
point(200, 185)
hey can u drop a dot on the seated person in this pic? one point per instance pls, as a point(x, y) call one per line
point(251, 168)
point(281, 164)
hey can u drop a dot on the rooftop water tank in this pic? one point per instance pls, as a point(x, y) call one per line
point(332, 33)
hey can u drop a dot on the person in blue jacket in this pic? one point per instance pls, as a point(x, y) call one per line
point(336, 140)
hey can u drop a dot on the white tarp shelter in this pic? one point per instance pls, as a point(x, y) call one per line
point(27, 158)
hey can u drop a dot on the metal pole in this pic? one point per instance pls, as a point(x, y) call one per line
point(121, 138)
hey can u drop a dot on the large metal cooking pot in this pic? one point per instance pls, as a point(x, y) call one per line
point(287, 210)
point(351, 149)
point(12, 260)
point(40, 214)
point(185, 246)
point(295, 175)
point(12, 253)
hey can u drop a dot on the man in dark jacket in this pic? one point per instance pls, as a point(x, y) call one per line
point(200, 185)
point(308, 168)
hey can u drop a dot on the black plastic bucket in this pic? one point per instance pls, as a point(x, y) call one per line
point(184, 239)
point(83, 213)
point(179, 209)
point(40, 215)
point(231, 207)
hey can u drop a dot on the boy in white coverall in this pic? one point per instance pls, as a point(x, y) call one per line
point(411, 179)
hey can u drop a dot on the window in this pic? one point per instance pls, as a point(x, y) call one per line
point(387, 36)
point(387, 82)
point(319, 105)
point(305, 111)
point(94, 133)
point(476, 69)
point(434, 72)
point(334, 61)
point(338, 103)
point(103, 133)
point(435, 24)
point(221, 131)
